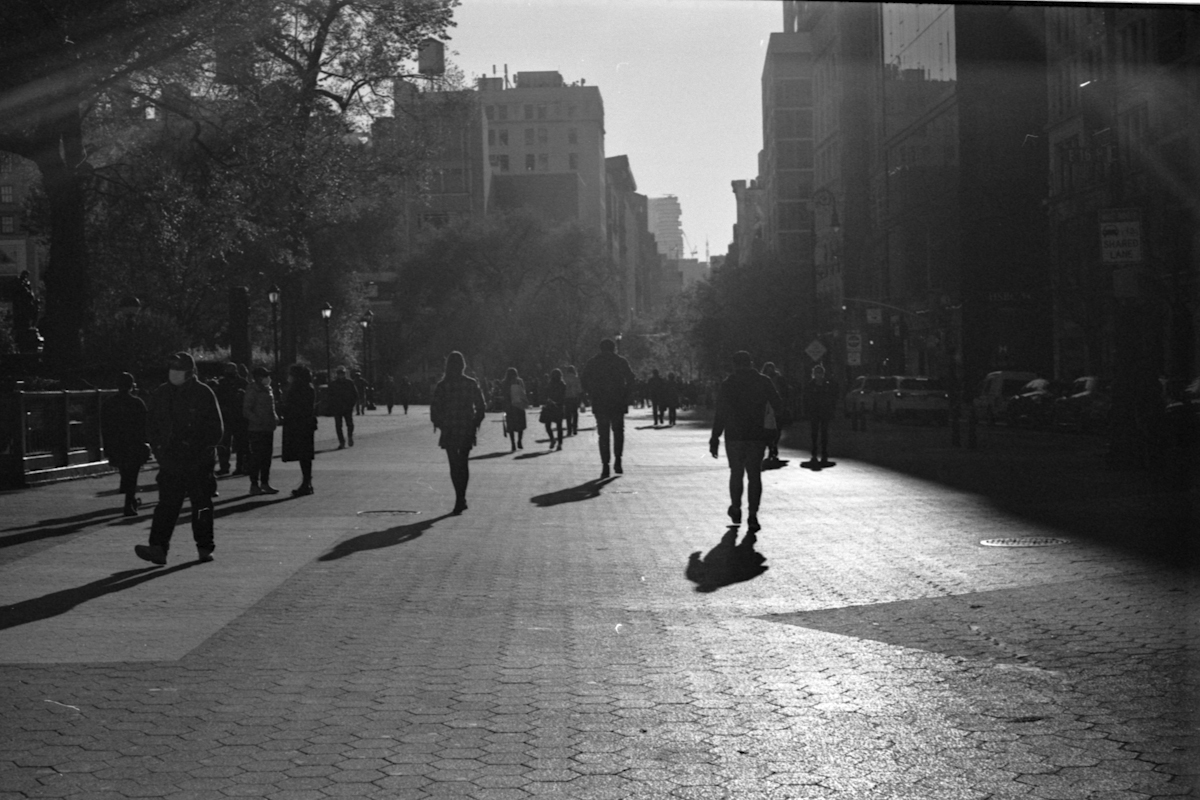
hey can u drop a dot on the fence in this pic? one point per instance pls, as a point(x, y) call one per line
point(47, 436)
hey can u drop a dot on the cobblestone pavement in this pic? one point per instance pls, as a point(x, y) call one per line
point(569, 637)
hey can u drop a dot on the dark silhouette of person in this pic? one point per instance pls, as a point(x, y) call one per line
point(231, 393)
point(574, 395)
point(403, 392)
point(389, 393)
point(607, 379)
point(258, 407)
point(123, 428)
point(820, 398)
point(742, 404)
point(512, 394)
point(552, 408)
point(784, 418)
point(671, 390)
point(654, 391)
point(343, 397)
point(299, 412)
point(727, 563)
point(184, 428)
point(457, 410)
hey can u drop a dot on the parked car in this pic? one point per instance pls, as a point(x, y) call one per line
point(1086, 405)
point(913, 397)
point(1035, 404)
point(996, 390)
point(862, 393)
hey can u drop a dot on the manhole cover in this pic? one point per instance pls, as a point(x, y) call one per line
point(1025, 541)
point(386, 512)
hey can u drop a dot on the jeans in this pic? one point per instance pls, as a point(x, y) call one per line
point(571, 415)
point(262, 445)
point(615, 424)
point(196, 485)
point(745, 458)
point(348, 418)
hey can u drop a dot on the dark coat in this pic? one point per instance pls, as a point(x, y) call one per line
point(231, 394)
point(820, 400)
point(299, 422)
point(607, 379)
point(457, 410)
point(123, 428)
point(343, 396)
point(742, 406)
point(184, 426)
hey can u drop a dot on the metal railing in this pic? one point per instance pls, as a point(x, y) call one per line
point(44, 435)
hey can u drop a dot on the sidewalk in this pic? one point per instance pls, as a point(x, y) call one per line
point(571, 637)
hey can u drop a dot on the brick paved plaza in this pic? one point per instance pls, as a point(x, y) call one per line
point(568, 637)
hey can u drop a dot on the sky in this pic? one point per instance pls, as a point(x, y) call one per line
point(680, 80)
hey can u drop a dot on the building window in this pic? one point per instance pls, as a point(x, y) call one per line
point(573, 160)
point(528, 111)
point(530, 162)
point(541, 111)
point(572, 136)
point(502, 112)
point(490, 111)
point(492, 136)
point(504, 137)
point(6, 194)
point(504, 163)
point(8, 224)
point(543, 162)
point(529, 137)
point(543, 136)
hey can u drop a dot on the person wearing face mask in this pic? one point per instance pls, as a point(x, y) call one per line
point(184, 427)
point(261, 420)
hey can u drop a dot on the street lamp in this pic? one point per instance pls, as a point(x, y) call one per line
point(365, 322)
point(618, 341)
point(273, 298)
point(326, 313)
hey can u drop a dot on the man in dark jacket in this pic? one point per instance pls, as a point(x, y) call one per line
point(654, 391)
point(123, 428)
point(184, 427)
point(343, 397)
point(741, 415)
point(607, 379)
point(820, 400)
point(231, 391)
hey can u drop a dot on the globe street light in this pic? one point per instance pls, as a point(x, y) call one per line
point(273, 298)
point(326, 313)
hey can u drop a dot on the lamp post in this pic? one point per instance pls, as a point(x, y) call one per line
point(326, 313)
point(273, 298)
point(365, 322)
point(618, 340)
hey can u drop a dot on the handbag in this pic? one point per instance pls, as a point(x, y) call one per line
point(769, 419)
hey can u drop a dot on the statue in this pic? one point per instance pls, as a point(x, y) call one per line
point(25, 316)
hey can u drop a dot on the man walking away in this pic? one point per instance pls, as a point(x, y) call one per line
point(184, 427)
point(123, 428)
point(607, 379)
point(343, 397)
point(820, 397)
point(654, 391)
point(231, 392)
point(742, 405)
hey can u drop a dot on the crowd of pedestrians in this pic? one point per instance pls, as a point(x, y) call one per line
point(197, 431)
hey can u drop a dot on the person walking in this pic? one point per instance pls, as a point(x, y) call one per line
point(123, 428)
point(742, 404)
point(784, 418)
point(607, 379)
point(820, 400)
point(552, 409)
point(343, 397)
point(299, 412)
point(571, 399)
point(258, 408)
point(389, 393)
point(512, 392)
point(403, 392)
point(183, 424)
point(361, 388)
point(231, 392)
point(457, 410)
point(654, 391)
point(671, 397)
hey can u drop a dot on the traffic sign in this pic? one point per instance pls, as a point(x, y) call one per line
point(815, 350)
point(875, 316)
point(853, 342)
point(1120, 235)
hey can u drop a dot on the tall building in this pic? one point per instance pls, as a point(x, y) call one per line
point(664, 215)
point(541, 127)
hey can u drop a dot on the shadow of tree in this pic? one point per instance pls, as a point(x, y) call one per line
point(60, 602)
point(377, 540)
point(727, 563)
point(584, 491)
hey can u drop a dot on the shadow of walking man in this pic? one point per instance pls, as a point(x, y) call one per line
point(377, 540)
point(584, 491)
point(60, 602)
point(727, 563)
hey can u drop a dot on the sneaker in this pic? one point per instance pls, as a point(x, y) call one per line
point(267, 488)
point(302, 490)
point(204, 554)
point(752, 524)
point(150, 552)
point(341, 445)
point(255, 489)
point(617, 467)
point(350, 441)
point(604, 473)
point(735, 515)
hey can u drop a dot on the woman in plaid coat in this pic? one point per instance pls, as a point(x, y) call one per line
point(457, 410)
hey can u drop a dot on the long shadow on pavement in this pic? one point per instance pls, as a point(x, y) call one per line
point(584, 491)
point(536, 454)
point(497, 454)
point(377, 540)
point(62, 526)
point(60, 602)
point(727, 563)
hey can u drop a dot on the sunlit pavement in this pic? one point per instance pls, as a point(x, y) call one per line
point(571, 637)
